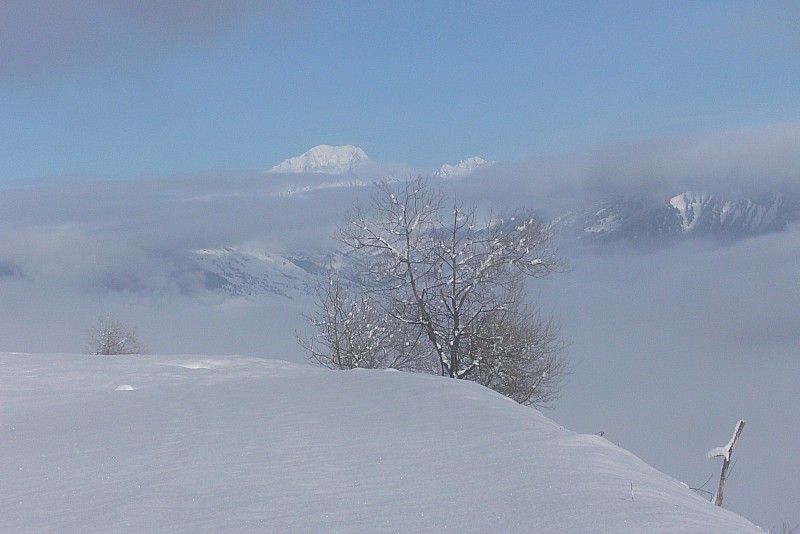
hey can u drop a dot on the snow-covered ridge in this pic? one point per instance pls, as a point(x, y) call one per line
point(709, 214)
point(688, 214)
point(324, 159)
point(234, 444)
point(462, 168)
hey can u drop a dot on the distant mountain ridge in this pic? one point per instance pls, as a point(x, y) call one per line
point(626, 221)
point(689, 214)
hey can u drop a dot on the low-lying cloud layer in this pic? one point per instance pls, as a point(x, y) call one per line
point(751, 159)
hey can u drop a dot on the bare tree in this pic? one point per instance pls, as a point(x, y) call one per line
point(350, 332)
point(458, 285)
point(110, 337)
point(519, 353)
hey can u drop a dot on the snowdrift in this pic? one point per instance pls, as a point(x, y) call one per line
point(198, 444)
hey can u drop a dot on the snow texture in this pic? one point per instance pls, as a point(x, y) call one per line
point(222, 444)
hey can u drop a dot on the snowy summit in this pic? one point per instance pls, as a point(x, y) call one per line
point(462, 168)
point(325, 159)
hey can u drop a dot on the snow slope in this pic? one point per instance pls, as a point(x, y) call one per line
point(199, 444)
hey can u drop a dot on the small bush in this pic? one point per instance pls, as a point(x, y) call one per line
point(110, 337)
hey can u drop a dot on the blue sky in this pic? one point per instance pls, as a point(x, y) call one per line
point(129, 88)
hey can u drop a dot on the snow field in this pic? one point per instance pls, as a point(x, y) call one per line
point(218, 444)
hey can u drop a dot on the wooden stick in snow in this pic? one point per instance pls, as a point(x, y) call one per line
point(725, 452)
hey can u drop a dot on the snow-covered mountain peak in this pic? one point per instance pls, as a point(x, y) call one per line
point(325, 159)
point(462, 168)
